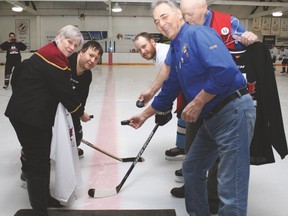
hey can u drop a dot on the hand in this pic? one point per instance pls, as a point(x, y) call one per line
point(192, 111)
point(85, 117)
point(247, 38)
point(12, 40)
point(136, 121)
point(146, 96)
point(163, 118)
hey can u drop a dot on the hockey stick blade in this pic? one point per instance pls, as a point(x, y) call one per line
point(129, 159)
point(105, 192)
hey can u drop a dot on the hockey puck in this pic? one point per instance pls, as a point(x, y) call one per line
point(91, 192)
point(140, 104)
point(125, 122)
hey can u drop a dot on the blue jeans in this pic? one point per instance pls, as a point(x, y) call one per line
point(226, 135)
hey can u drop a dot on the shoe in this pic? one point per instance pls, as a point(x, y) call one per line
point(53, 203)
point(178, 192)
point(179, 176)
point(80, 153)
point(175, 154)
point(5, 86)
point(36, 187)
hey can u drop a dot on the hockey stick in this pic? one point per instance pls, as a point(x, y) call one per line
point(129, 159)
point(105, 192)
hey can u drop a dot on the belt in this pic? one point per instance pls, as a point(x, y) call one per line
point(237, 94)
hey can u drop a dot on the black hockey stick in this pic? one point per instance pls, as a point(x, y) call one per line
point(128, 159)
point(105, 192)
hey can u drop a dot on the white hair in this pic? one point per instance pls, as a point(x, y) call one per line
point(170, 3)
point(70, 32)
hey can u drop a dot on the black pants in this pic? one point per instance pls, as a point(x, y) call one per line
point(78, 129)
point(9, 65)
point(36, 145)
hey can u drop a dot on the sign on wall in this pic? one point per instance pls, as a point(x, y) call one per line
point(257, 23)
point(22, 31)
point(94, 35)
point(284, 27)
point(50, 36)
point(282, 41)
point(266, 24)
point(125, 36)
point(268, 40)
point(271, 26)
point(275, 26)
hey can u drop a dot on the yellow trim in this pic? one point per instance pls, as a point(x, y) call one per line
point(76, 108)
point(61, 68)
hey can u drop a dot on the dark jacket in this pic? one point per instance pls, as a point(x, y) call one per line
point(13, 50)
point(80, 85)
point(269, 132)
point(41, 83)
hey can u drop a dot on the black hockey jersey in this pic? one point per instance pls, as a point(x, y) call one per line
point(255, 62)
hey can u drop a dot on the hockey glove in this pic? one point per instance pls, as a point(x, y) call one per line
point(163, 118)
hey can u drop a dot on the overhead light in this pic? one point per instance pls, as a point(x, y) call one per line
point(277, 14)
point(17, 9)
point(116, 8)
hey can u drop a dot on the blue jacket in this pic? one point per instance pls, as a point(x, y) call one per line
point(199, 60)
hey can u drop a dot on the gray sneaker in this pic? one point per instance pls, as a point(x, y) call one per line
point(179, 176)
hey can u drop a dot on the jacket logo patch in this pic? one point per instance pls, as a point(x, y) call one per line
point(213, 46)
point(184, 48)
point(225, 31)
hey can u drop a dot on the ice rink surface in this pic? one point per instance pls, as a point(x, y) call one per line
point(113, 94)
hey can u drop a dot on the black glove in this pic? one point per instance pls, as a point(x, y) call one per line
point(162, 118)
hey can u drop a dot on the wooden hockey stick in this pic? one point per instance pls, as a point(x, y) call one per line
point(128, 159)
